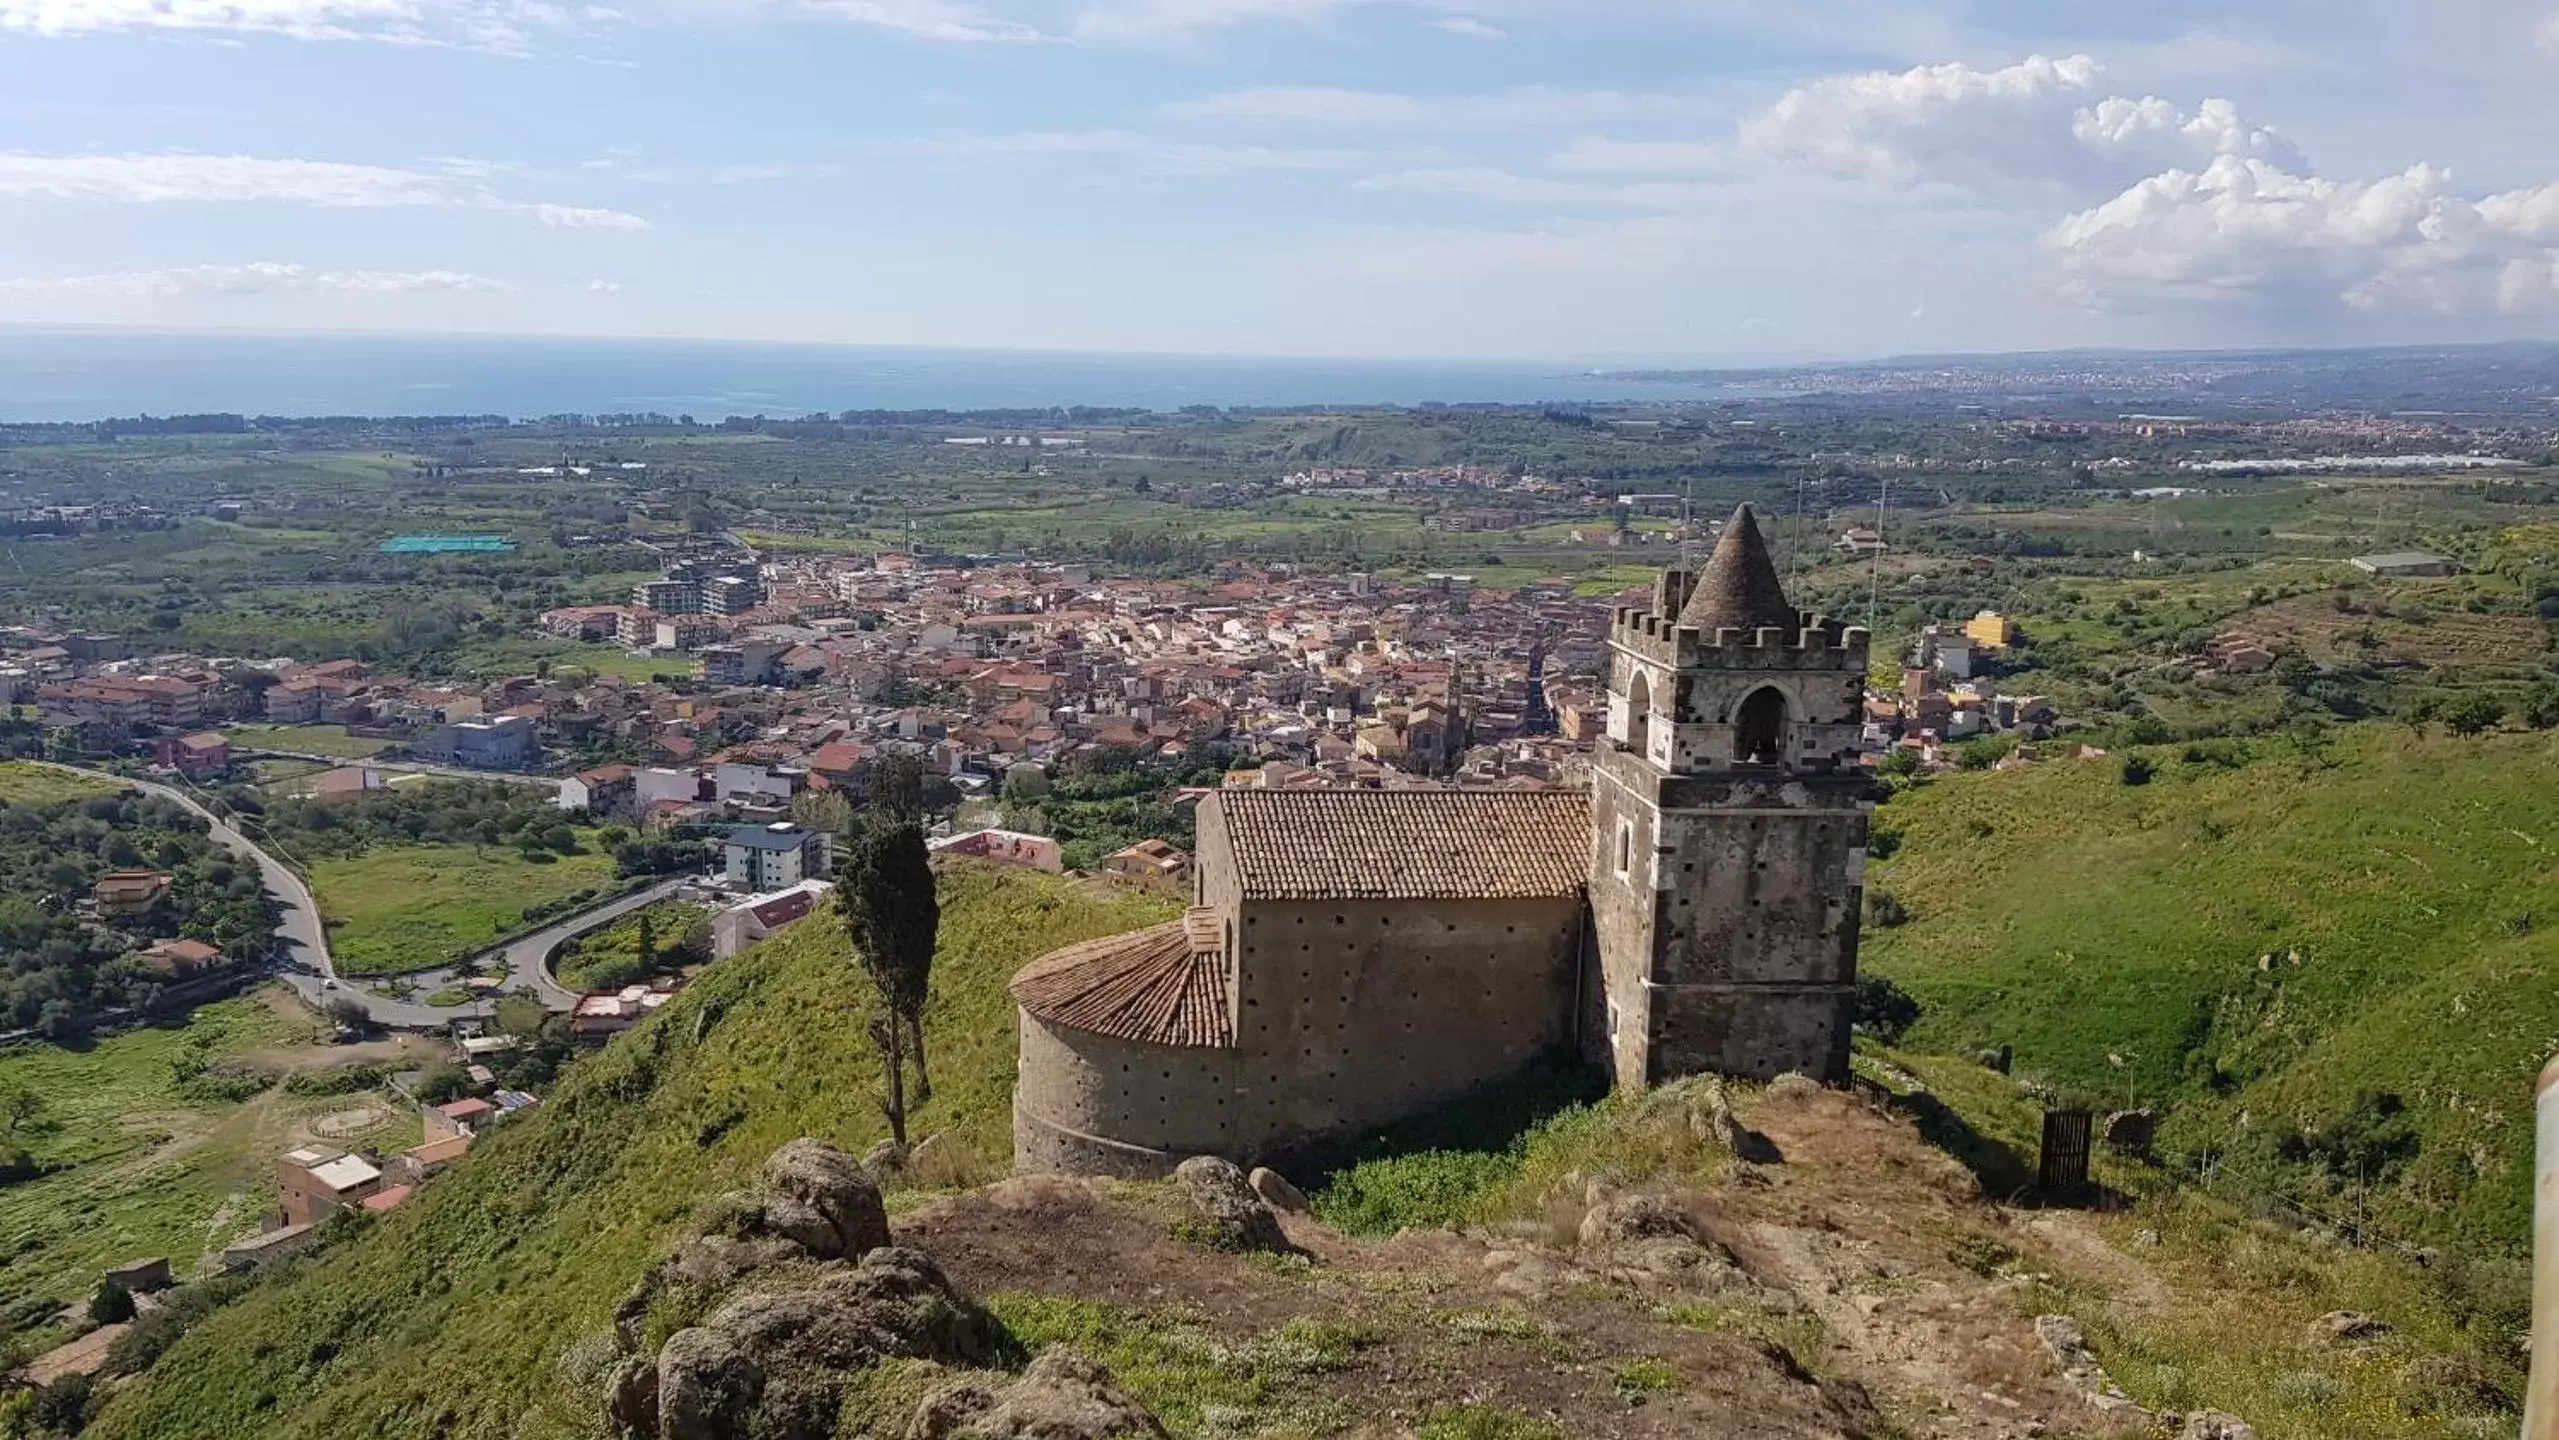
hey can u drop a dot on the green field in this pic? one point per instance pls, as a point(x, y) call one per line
point(460, 1305)
point(2259, 945)
point(611, 957)
point(151, 1164)
point(420, 907)
point(25, 783)
point(329, 740)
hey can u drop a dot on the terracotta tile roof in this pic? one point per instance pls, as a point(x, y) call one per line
point(1155, 986)
point(1407, 844)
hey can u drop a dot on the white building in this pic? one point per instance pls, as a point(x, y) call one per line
point(776, 857)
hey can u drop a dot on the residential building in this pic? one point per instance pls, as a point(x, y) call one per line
point(754, 920)
point(1005, 847)
point(1149, 860)
point(1990, 630)
point(121, 894)
point(465, 1117)
point(499, 742)
point(179, 959)
point(2407, 565)
point(762, 859)
point(314, 1183)
point(732, 594)
point(668, 597)
point(194, 756)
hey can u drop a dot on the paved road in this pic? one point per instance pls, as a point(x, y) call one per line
point(311, 970)
point(528, 960)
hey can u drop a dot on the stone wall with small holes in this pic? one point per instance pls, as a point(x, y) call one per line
point(1352, 1014)
point(1087, 1104)
point(1726, 914)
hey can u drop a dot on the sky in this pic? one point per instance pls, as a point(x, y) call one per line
point(1586, 180)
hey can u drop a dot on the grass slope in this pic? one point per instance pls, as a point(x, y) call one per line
point(36, 786)
point(417, 907)
point(143, 1163)
point(448, 1317)
point(2258, 944)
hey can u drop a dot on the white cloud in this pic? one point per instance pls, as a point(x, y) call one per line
point(949, 20)
point(1471, 28)
point(487, 24)
point(255, 278)
point(158, 179)
point(1151, 152)
point(175, 178)
point(2040, 121)
point(2547, 35)
point(604, 287)
point(1932, 123)
point(2245, 231)
point(1532, 107)
point(1155, 22)
point(2154, 134)
point(574, 217)
point(1596, 156)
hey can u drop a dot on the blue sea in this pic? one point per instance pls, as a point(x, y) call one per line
point(51, 374)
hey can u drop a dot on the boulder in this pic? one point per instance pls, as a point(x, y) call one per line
point(1062, 1396)
point(1277, 1193)
point(631, 1397)
point(1997, 1060)
point(884, 1160)
point(2079, 1365)
point(707, 1387)
point(2213, 1425)
point(2346, 1327)
point(1635, 1217)
point(2130, 1132)
point(824, 1201)
point(927, 1151)
point(1792, 1086)
point(1226, 1201)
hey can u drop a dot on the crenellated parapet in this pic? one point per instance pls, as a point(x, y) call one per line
point(1816, 642)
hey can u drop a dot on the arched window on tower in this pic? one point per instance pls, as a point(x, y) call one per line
point(1759, 728)
point(1639, 715)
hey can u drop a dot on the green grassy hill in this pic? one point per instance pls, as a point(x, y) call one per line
point(2267, 945)
point(448, 1317)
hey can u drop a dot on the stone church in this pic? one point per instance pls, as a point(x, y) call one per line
point(1358, 957)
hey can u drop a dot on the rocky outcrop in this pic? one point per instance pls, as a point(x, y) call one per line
point(1235, 1216)
point(2347, 1327)
point(1062, 1396)
point(2069, 1346)
point(2213, 1425)
point(1277, 1193)
point(792, 1294)
point(821, 1199)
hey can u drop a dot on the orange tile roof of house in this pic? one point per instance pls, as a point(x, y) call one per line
point(1407, 844)
point(1157, 986)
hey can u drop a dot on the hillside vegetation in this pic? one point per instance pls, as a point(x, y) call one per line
point(2334, 968)
point(449, 1317)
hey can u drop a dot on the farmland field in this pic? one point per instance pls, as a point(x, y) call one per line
point(420, 907)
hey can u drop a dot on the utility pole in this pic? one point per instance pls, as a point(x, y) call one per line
point(1875, 584)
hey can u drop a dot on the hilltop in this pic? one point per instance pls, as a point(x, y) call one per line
point(1705, 1260)
point(2331, 968)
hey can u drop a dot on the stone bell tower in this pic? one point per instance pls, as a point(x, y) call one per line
point(1728, 817)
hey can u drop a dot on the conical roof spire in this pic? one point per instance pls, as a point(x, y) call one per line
point(1740, 588)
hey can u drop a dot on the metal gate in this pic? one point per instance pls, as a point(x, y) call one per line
point(2065, 1161)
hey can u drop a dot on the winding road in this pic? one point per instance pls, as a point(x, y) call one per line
point(312, 971)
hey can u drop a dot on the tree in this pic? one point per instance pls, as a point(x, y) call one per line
point(648, 943)
point(2474, 714)
point(886, 900)
point(2540, 708)
point(2138, 769)
point(21, 1108)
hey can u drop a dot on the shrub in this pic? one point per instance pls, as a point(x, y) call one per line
point(2138, 770)
point(1884, 1009)
point(112, 1305)
point(1484, 1422)
point(1885, 911)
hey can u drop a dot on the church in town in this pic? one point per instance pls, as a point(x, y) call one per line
point(1356, 957)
